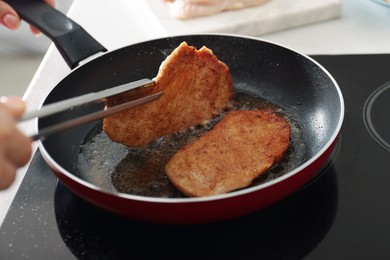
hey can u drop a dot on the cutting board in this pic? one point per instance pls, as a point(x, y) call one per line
point(275, 15)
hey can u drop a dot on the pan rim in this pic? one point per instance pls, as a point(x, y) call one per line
point(52, 163)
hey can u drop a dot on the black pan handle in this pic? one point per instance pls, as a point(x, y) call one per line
point(72, 41)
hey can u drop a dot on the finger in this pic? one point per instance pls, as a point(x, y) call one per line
point(13, 105)
point(7, 174)
point(19, 148)
point(35, 31)
point(51, 2)
point(15, 146)
point(8, 17)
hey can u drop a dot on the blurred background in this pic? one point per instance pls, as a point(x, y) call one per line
point(21, 52)
point(20, 55)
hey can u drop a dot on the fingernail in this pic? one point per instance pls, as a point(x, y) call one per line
point(13, 102)
point(11, 21)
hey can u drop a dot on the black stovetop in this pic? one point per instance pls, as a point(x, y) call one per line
point(343, 214)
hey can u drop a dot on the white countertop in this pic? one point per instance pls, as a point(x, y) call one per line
point(364, 27)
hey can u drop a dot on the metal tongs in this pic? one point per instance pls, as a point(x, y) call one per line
point(95, 97)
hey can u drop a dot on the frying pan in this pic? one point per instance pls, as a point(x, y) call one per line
point(304, 91)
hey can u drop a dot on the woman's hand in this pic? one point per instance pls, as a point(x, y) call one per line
point(10, 19)
point(15, 147)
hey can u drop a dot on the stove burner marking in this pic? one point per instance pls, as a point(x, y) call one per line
point(367, 115)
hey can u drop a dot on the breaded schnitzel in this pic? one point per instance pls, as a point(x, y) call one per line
point(196, 87)
point(244, 145)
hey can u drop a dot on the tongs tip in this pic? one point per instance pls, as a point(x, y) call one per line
point(96, 115)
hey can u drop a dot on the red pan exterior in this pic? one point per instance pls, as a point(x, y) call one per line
point(196, 211)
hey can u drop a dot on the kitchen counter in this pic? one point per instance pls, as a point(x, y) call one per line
point(363, 28)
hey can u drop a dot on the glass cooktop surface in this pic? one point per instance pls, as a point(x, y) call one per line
point(343, 213)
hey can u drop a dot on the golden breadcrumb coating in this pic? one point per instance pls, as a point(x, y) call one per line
point(196, 87)
point(244, 145)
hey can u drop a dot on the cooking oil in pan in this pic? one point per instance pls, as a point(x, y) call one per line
point(141, 171)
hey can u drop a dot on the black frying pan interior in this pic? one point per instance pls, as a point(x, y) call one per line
point(265, 70)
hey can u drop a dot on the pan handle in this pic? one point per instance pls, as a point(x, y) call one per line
point(72, 41)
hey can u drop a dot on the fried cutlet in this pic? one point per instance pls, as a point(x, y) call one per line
point(196, 87)
point(241, 147)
